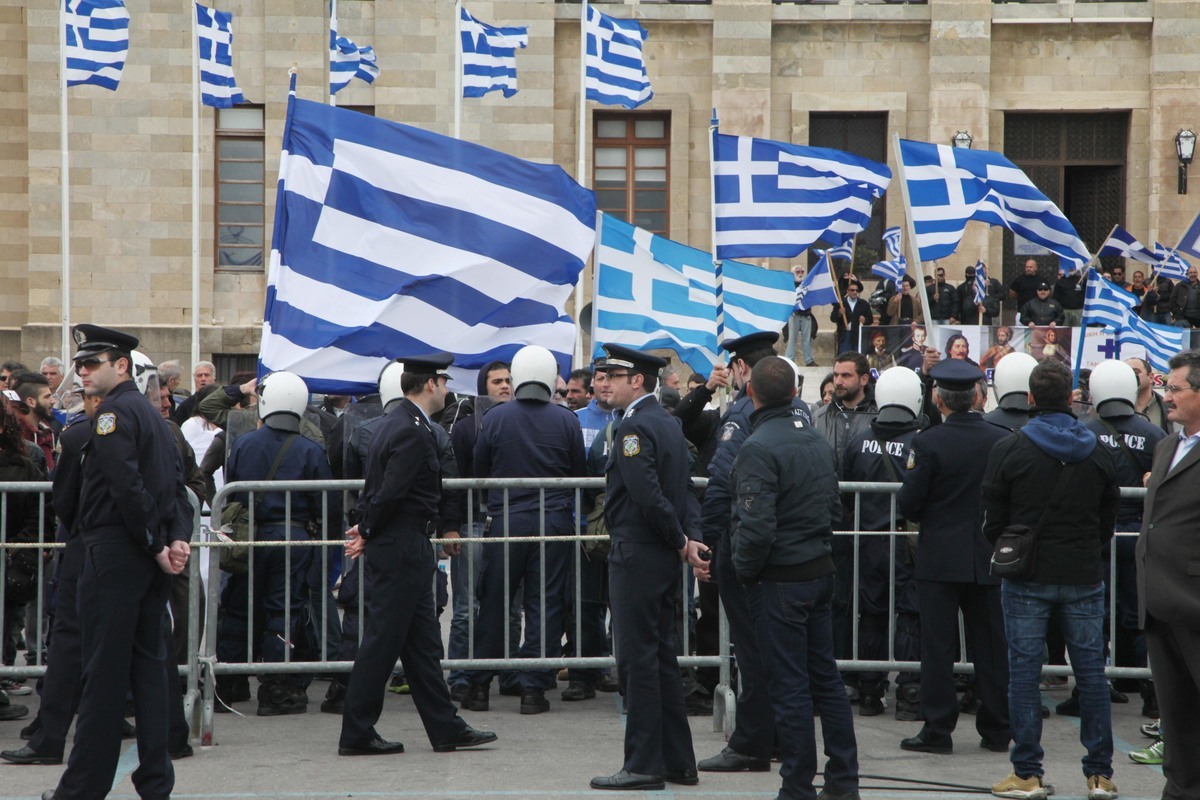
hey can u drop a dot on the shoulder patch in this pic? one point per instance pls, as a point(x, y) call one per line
point(912, 459)
point(727, 431)
point(631, 445)
point(106, 423)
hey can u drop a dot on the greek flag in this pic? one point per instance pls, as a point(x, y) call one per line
point(891, 270)
point(97, 42)
point(776, 199)
point(391, 241)
point(842, 251)
point(1122, 244)
point(981, 282)
point(347, 60)
point(1171, 264)
point(489, 60)
point(949, 186)
point(654, 293)
point(892, 241)
point(1105, 303)
point(1190, 241)
point(616, 70)
point(817, 287)
point(214, 30)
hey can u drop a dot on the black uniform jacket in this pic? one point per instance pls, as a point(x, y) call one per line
point(403, 488)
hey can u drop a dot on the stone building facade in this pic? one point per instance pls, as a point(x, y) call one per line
point(781, 70)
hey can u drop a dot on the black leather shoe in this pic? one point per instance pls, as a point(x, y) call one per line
point(732, 761)
point(995, 747)
point(608, 684)
point(468, 738)
point(824, 795)
point(922, 744)
point(128, 731)
point(477, 698)
point(628, 782)
point(534, 702)
point(686, 777)
point(27, 755)
point(376, 746)
point(578, 691)
point(184, 752)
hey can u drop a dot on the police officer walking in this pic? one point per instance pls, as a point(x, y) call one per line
point(398, 511)
point(652, 519)
point(127, 516)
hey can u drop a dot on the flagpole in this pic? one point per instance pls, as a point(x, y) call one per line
point(833, 278)
point(458, 68)
point(914, 252)
point(712, 183)
point(596, 281)
point(195, 352)
point(64, 186)
point(581, 166)
point(329, 72)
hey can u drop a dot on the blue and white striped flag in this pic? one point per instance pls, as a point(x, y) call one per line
point(891, 270)
point(1171, 264)
point(347, 60)
point(392, 241)
point(97, 42)
point(776, 199)
point(489, 56)
point(1105, 303)
point(817, 287)
point(949, 186)
point(1190, 241)
point(616, 67)
point(1121, 243)
point(653, 293)
point(981, 282)
point(842, 251)
point(893, 242)
point(214, 30)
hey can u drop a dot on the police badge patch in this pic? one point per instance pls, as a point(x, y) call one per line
point(631, 445)
point(912, 459)
point(106, 423)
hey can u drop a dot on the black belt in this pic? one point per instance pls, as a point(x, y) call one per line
point(416, 522)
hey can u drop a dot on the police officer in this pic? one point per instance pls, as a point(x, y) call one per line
point(942, 490)
point(652, 519)
point(749, 747)
point(128, 514)
point(398, 511)
point(878, 455)
point(1010, 380)
point(529, 437)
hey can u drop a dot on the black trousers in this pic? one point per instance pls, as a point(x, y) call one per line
point(122, 597)
point(401, 622)
point(1175, 665)
point(644, 582)
point(61, 685)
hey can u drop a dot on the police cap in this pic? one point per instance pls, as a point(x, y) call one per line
point(955, 374)
point(622, 357)
point(93, 340)
point(749, 343)
point(427, 363)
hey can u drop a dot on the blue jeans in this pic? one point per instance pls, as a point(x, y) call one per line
point(1079, 611)
point(800, 328)
point(796, 634)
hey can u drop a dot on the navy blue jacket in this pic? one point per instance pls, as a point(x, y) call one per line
point(403, 484)
point(866, 459)
point(251, 460)
point(1141, 436)
point(530, 439)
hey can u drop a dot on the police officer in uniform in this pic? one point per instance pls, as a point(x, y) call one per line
point(652, 519)
point(942, 491)
point(127, 515)
point(1011, 383)
point(398, 512)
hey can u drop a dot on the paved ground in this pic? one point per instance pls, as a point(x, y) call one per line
point(553, 755)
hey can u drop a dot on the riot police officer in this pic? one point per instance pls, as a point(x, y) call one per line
point(1010, 380)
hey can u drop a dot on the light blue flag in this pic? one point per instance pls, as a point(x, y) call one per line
point(347, 60)
point(1105, 303)
point(653, 293)
point(893, 242)
point(1121, 243)
point(489, 56)
point(891, 270)
point(392, 241)
point(97, 42)
point(817, 287)
point(214, 29)
point(949, 186)
point(616, 69)
point(1190, 241)
point(1171, 264)
point(776, 199)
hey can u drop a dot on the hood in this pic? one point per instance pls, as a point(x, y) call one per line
point(1061, 436)
point(481, 378)
point(890, 430)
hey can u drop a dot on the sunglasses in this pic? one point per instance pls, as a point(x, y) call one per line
point(91, 363)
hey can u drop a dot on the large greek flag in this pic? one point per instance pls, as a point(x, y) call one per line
point(616, 68)
point(347, 60)
point(214, 31)
point(392, 241)
point(97, 42)
point(489, 60)
point(654, 293)
point(949, 186)
point(1105, 303)
point(1121, 243)
point(776, 199)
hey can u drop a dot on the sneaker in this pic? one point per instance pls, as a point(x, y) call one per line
point(15, 687)
point(1101, 788)
point(1152, 755)
point(1053, 683)
point(1153, 729)
point(399, 685)
point(1012, 786)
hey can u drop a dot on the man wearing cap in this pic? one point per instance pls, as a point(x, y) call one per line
point(1042, 310)
point(398, 511)
point(129, 517)
point(853, 313)
point(942, 492)
point(652, 519)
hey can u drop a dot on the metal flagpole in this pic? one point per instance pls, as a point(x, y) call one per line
point(914, 252)
point(582, 165)
point(596, 280)
point(712, 169)
point(64, 182)
point(329, 72)
point(195, 353)
point(458, 69)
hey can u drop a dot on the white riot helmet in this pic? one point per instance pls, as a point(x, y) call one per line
point(899, 394)
point(145, 377)
point(534, 373)
point(282, 399)
point(1114, 389)
point(1011, 381)
point(389, 383)
point(799, 376)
